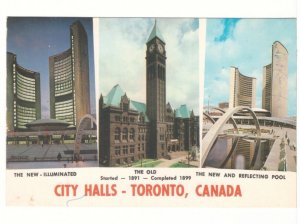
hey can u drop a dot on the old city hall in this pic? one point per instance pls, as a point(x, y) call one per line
point(130, 131)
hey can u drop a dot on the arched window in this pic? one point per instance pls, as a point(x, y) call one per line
point(131, 134)
point(125, 134)
point(117, 134)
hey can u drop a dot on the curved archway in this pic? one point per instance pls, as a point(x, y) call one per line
point(209, 117)
point(212, 134)
point(85, 121)
point(230, 119)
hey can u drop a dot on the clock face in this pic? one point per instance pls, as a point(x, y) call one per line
point(160, 48)
point(151, 48)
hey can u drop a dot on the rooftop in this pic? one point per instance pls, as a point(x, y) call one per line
point(182, 112)
point(113, 98)
point(155, 33)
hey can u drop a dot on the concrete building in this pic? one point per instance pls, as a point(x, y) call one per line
point(131, 130)
point(69, 79)
point(223, 105)
point(23, 97)
point(242, 89)
point(275, 82)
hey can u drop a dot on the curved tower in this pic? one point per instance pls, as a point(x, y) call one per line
point(69, 79)
point(242, 89)
point(23, 101)
point(275, 82)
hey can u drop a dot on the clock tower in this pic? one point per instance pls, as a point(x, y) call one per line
point(156, 93)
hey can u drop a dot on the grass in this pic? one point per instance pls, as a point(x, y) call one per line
point(147, 163)
point(180, 165)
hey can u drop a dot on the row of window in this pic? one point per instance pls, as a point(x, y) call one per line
point(125, 148)
point(124, 135)
point(29, 81)
point(63, 87)
point(63, 67)
point(124, 118)
point(62, 62)
point(65, 75)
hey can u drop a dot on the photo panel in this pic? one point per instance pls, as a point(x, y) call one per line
point(50, 94)
point(148, 92)
point(250, 122)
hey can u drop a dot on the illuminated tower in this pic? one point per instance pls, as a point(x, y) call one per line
point(23, 100)
point(69, 79)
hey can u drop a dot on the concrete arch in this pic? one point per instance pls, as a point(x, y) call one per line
point(212, 134)
point(236, 140)
point(209, 117)
point(230, 119)
point(85, 121)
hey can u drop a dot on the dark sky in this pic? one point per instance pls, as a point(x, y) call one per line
point(33, 40)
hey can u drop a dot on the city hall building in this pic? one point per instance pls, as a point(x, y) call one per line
point(275, 82)
point(131, 130)
point(242, 89)
point(69, 79)
point(23, 97)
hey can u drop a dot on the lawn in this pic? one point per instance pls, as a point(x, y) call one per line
point(147, 163)
point(180, 165)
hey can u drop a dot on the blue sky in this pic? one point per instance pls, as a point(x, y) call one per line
point(246, 44)
point(122, 52)
point(33, 40)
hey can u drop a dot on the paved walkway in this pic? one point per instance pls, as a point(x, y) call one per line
point(178, 156)
point(273, 159)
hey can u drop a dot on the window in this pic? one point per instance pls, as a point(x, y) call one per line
point(131, 134)
point(131, 149)
point(125, 149)
point(125, 106)
point(117, 134)
point(117, 151)
point(125, 134)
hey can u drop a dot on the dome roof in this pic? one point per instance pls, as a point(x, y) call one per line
point(47, 124)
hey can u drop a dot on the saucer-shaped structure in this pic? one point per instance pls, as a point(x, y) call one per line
point(47, 125)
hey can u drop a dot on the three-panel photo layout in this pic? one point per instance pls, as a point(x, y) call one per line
point(129, 93)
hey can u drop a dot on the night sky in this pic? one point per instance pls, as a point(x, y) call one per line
point(33, 40)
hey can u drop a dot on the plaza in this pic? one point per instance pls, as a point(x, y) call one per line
point(252, 142)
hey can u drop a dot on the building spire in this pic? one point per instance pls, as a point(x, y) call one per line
point(155, 33)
